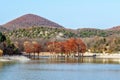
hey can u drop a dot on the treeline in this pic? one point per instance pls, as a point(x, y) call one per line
point(97, 44)
point(7, 47)
point(41, 32)
point(87, 32)
point(68, 47)
point(96, 40)
point(47, 33)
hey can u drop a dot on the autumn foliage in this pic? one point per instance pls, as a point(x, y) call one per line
point(69, 46)
point(32, 47)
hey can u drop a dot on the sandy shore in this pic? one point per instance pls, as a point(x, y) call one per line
point(14, 58)
point(108, 56)
point(104, 55)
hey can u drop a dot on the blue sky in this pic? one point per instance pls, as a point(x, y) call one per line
point(73, 14)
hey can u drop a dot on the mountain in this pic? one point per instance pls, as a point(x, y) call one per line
point(3, 29)
point(115, 28)
point(30, 20)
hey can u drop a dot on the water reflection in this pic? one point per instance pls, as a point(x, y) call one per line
point(78, 60)
point(61, 69)
point(4, 64)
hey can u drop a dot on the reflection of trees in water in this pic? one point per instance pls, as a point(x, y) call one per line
point(68, 60)
point(100, 60)
point(6, 64)
point(80, 60)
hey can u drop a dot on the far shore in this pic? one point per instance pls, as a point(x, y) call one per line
point(22, 58)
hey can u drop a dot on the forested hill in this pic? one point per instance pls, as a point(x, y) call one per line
point(89, 32)
point(47, 32)
point(95, 39)
point(35, 28)
point(31, 27)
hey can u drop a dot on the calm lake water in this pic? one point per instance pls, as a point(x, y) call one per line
point(61, 69)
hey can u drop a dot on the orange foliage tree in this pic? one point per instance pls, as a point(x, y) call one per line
point(36, 47)
point(33, 47)
point(81, 47)
point(67, 47)
point(50, 47)
point(28, 47)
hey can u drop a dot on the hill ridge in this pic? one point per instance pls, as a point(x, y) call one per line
point(29, 20)
point(115, 28)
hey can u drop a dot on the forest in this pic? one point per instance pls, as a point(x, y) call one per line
point(60, 40)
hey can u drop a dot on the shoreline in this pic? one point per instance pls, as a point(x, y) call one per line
point(87, 54)
point(108, 56)
point(14, 58)
point(24, 57)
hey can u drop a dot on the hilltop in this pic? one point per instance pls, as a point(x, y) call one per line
point(30, 20)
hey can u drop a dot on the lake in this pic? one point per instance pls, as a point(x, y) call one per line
point(61, 69)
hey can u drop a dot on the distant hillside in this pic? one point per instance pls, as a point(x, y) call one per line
point(41, 32)
point(30, 20)
point(90, 32)
point(59, 33)
point(96, 40)
point(3, 29)
point(115, 28)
